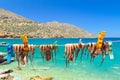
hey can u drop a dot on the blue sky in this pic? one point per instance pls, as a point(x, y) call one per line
point(91, 15)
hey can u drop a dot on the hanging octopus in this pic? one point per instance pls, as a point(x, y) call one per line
point(21, 55)
point(97, 51)
point(42, 49)
point(46, 52)
point(54, 48)
point(69, 53)
point(31, 52)
point(79, 47)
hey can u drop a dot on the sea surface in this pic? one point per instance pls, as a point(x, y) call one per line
point(78, 70)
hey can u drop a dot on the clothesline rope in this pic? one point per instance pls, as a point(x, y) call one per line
point(48, 44)
point(75, 43)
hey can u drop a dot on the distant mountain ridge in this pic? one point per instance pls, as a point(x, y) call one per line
point(4, 14)
point(13, 26)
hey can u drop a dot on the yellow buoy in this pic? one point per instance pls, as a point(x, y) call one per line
point(100, 39)
point(25, 41)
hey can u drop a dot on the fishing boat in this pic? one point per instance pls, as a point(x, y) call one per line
point(2, 44)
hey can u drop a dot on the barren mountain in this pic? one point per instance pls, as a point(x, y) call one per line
point(13, 25)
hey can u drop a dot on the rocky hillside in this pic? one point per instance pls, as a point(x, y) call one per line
point(13, 25)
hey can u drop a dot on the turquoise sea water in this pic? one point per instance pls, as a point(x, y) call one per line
point(110, 70)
